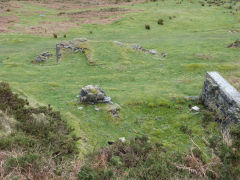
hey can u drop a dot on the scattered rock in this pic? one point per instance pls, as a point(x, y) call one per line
point(140, 48)
point(80, 108)
point(118, 43)
point(191, 98)
point(150, 51)
point(114, 109)
point(122, 139)
point(73, 45)
point(195, 108)
point(93, 94)
point(153, 51)
point(42, 57)
point(234, 44)
point(97, 109)
point(233, 31)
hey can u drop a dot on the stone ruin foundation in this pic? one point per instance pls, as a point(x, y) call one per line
point(73, 45)
point(222, 98)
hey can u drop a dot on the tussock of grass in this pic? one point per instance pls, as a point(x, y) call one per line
point(195, 66)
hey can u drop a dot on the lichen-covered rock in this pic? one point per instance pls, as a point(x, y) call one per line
point(93, 94)
point(222, 98)
point(43, 57)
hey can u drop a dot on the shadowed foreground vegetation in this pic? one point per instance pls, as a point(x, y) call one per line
point(28, 151)
point(165, 139)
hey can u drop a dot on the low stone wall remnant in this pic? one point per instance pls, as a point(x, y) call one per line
point(222, 98)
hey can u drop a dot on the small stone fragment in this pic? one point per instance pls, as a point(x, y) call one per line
point(153, 51)
point(97, 109)
point(122, 139)
point(195, 108)
point(80, 108)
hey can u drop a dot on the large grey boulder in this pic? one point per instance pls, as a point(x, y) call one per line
point(222, 98)
point(93, 94)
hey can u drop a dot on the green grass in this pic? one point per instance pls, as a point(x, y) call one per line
point(148, 88)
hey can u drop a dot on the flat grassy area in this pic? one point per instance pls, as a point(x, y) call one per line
point(149, 89)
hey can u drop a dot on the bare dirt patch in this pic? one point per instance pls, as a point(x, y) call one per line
point(85, 4)
point(6, 21)
point(8, 6)
point(106, 15)
point(50, 27)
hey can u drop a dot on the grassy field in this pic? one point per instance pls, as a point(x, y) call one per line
point(149, 89)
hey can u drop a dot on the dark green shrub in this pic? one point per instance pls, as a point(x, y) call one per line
point(186, 130)
point(33, 131)
point(87, 173)
point(23, 161)
point(147, 26)
point(160, 21)
point(55, 35)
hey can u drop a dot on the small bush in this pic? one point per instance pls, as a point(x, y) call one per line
point(160, 21)
point(55, 35)
point(23, 161)
point(64, 35)
point(147, 26)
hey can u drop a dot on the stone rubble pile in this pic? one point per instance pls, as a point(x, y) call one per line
point(93, 94)
point(73, 45)
point(140, 48)
point(43, 57)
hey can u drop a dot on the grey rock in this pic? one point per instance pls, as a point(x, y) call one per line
point(153, 51)
point(73, 45)
point(43, 57)
point(234, 44)
point(118, 43)
point(93, 94)
point(191, 98)
point(80, 108)
point(222, 98)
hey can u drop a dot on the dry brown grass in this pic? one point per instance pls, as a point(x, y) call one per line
point(235, 81)
point(44, 172)
point(197, 166)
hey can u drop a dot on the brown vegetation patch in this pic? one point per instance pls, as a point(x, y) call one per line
point(8, 6)
point(105, 16)
point(235, 81)
point(6, 21)
point(50, 27)
point(69, 5)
